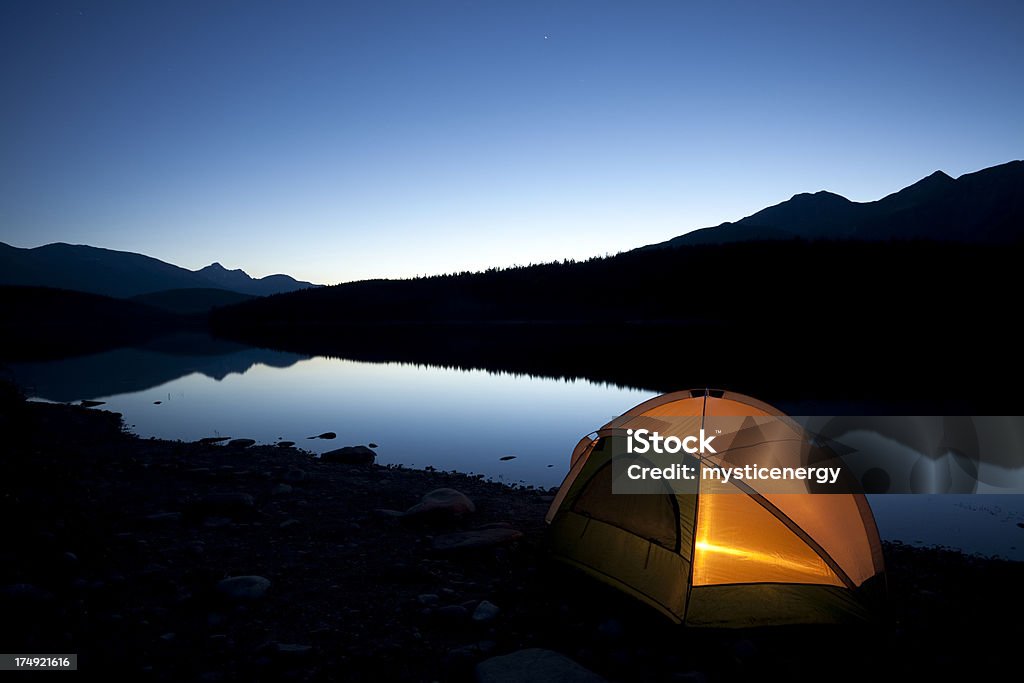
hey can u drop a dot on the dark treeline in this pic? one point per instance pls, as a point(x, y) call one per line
point(919, 325)
point(42, 323)
point(727, 283)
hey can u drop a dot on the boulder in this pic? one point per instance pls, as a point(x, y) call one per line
point(350, 455)
point(241, 443)
point(446, 502)
point(536, 665)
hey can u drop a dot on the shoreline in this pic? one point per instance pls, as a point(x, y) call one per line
point(118, 547)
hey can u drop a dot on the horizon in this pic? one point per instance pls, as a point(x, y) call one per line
point(335, 144)
point(505, 266)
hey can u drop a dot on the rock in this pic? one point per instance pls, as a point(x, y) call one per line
point(428, 599)
point(244, 588)
point(486, 612)
point(168, 637)
point(285, 444)
point(295, 475)
point(156, 403)
point(389, 514)
point(325, 435)
point(292, 650)
point(483, 538)
point(494, 525)
point(350, 455)
point(507, 457)
point(446, 502)
point(281, 490)
point(91, 404)
point(214, 439)
point(241, 443)
point(288, 523)
point(164, 518)
point(372, 445)
point(232, 504)
point(535, 665)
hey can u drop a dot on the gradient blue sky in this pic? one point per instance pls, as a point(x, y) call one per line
point(338, 141)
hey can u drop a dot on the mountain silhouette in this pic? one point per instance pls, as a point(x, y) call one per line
point(985, 207)
point(124, 274)
point(142, 366)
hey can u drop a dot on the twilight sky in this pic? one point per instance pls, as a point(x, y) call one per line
point(338, 141)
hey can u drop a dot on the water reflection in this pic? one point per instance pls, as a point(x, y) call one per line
point(465, 420)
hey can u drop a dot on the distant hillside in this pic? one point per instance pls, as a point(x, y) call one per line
point(191, 301)
point(40, 322)
point(237, 280)
point(124, 274)
point(986, 207)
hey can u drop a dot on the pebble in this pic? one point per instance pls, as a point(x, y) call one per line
point(244, 588)
point(486, 612)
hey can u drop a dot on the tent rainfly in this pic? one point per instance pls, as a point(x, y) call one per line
point(730, 554)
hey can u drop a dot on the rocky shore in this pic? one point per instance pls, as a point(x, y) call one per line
point(179, 561)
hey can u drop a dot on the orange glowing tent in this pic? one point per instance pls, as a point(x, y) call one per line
point(730, 554)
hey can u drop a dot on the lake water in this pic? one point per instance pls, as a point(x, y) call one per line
point(422, 416)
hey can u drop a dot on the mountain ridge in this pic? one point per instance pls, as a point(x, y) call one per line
point(985, 206)
point(125, 274)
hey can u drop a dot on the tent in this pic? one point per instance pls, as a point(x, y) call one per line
point(726, 554)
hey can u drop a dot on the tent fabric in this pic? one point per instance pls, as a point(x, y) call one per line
point(728, 555)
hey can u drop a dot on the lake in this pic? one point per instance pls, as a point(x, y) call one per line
point(424, 416)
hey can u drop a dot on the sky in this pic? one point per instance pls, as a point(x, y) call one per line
point(338, 141)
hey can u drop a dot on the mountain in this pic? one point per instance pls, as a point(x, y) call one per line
point(985, 207)
point(124, 274)
point(239, 281)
